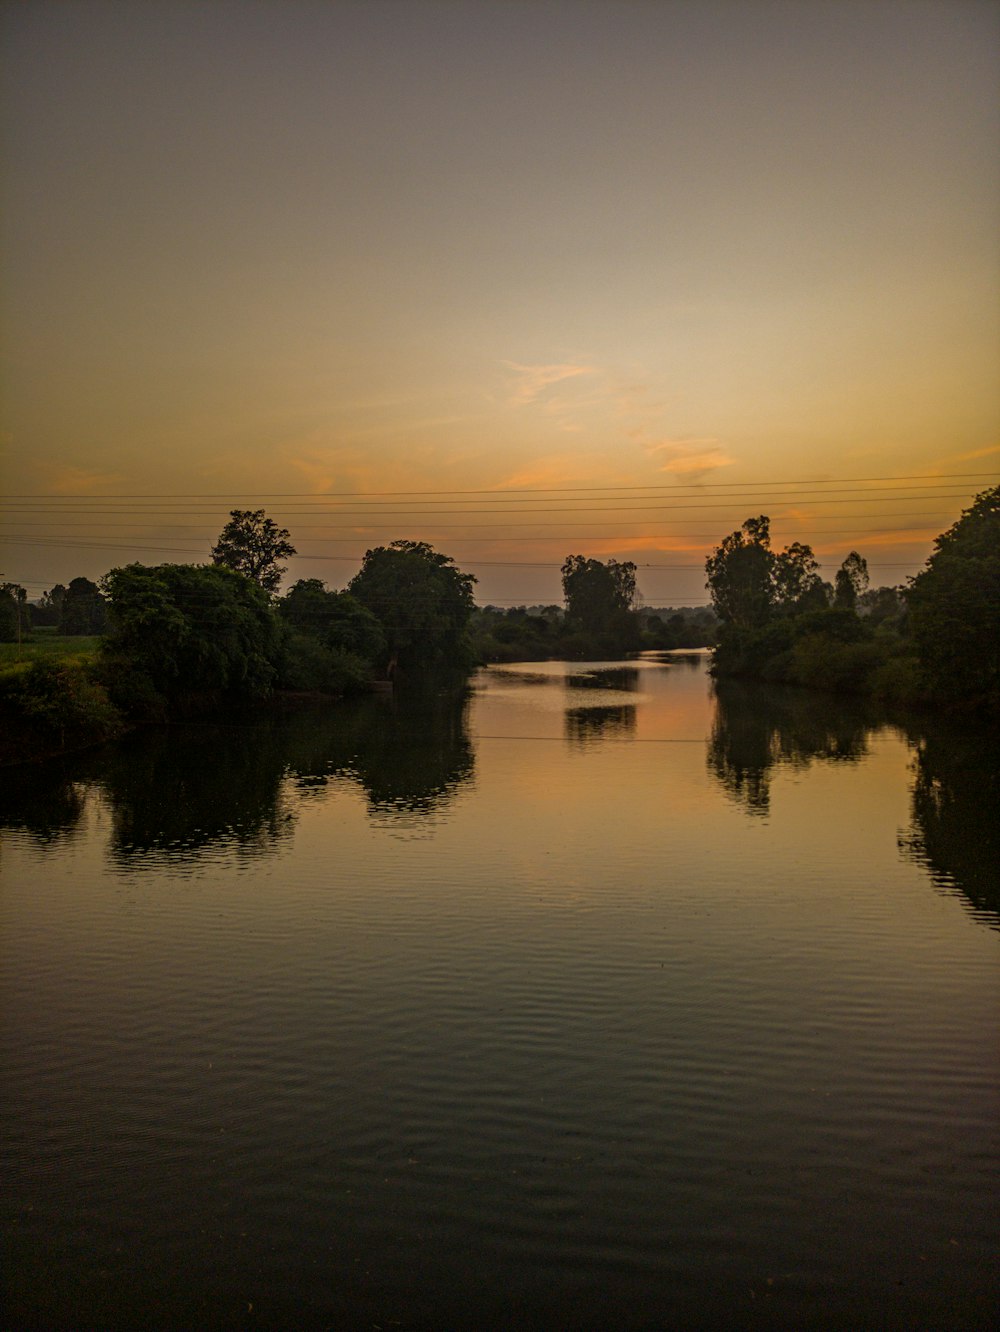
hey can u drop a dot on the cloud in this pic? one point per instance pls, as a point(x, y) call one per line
point(691, 458)
point(974, 456)
point(65, 479)
point(533, 380)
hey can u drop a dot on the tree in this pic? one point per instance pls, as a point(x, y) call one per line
point(740, 573)
point(422, 601)
point(797, 584)
point(252, 544)
point(851, 582)
point(749, 581)
point(599, 597)
point(15, 613)
point(82, 610)
point(336, 619)
point(191, 630)
point(48, 610)
point(954, 607)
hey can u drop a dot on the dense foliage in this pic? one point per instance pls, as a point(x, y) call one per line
point(599, 597)
point(189, 632)
point(955, 607)
point(937, 641)
point(332, 642)
point(423, 602)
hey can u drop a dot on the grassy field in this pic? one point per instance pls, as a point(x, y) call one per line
point(50, 647)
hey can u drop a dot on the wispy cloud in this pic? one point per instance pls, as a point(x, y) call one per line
point(974, 456)
point(693, 459)
point(530, 382)
point(65, 479)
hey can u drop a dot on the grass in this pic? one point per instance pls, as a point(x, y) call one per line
point(49, 647)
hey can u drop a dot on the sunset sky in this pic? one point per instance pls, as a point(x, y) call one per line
point(518, 279)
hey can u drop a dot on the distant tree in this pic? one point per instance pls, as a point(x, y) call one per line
point(252, 544)
point(15, 615)
point(851, 582)
point(599, 599)
point(423, 602)
point(191, 630)
point(954, 607)
point(48, 610)
point(83, 610)
point(882, 605)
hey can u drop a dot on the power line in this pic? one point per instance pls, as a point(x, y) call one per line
point(504, 490)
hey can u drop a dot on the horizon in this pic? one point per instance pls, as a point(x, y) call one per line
point(517, 281)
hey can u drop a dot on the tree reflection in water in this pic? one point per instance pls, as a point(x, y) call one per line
point(46, 803)
point(410, 752)
point(955, 804)
point(623, 678)
point(585, 725)
point(757, 728)
point(176, 791)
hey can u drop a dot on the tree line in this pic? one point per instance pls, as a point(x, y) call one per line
point(936, 640)
point(178, 639)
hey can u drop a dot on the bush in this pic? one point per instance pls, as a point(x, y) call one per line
point(57, 702)
point(308, 666)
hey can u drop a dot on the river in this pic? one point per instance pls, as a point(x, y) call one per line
point(595, 997)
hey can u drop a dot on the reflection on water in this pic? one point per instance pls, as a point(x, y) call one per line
point(956, 815)
point(176, 792)
point(45, 802)
point(544, 1033)
point(585, 725)
point(410, 754)
point(625, 678)
point(760, 727)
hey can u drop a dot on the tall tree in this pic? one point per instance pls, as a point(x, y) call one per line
point(749, 581)
point(252, 544)
point(740, 574)
point(795, 574)
point(15, 615)
point(851, 582)
point(599, 597)
point(423, 602)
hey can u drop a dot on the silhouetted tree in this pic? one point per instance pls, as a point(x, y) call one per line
point(83, 609)
point(15, 617)
point(599, 596)
point(252, 544)
point(422, 601)
point(740, 573)
point(954, 607)
point(851, 582)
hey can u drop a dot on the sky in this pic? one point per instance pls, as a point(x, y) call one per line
point(519, 279)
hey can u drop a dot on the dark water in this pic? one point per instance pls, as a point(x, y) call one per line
point(587, 1000)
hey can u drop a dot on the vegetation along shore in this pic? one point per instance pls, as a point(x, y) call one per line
point(158, 643)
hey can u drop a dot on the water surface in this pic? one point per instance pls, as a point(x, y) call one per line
point(589, 998)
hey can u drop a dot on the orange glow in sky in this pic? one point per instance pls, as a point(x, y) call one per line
point(300, 256)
